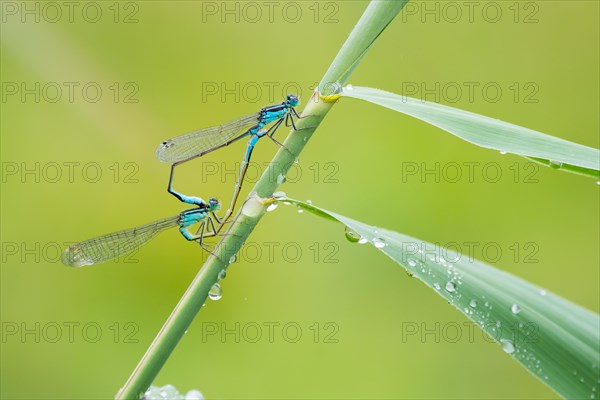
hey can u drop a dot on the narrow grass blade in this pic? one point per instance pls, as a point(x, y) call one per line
point(556, 340)
point(490, 133)
point(372, 23)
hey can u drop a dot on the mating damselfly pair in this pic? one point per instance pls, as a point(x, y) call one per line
point(179, 150)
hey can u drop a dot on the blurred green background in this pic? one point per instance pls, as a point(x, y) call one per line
point(165, 68)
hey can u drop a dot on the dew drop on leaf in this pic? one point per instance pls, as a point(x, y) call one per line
point(450, 287)
point(215, 293)
point(272, 206)
point(352, 236)
point(379, 243)
point(507, 346)
point(194, 395)
point(555, 164)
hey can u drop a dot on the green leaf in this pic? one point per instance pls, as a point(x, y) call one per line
point(556, 340)
point(490, 133)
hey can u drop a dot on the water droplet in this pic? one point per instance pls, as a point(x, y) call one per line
point(515, 309)
point(473, 303)
point(308, 201)
point(412, 262)
point(352, 236)
point(153, 392)
point(507, 346)
point(363, 240)
point(555, 164)
point(194, 395)
point(215, 292)
point(232, 259)
point(349, 87)
point(272, 206)
point(169, 392)
point(297, 161)
point(300, 210)
point(450, 287)
point(280, 179)
point(279, 194)
point(223, 274)
point(379, 243)
point(597, 182)
point(437, 286)
point(503, 152)
point(542, 292)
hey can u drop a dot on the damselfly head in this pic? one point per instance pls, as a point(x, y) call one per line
point(213, 204)
point(292, 100)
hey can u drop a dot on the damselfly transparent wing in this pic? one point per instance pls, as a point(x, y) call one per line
point(113, 245)
point(198, 143)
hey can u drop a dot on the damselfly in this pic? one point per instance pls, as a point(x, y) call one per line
point(198, 143)
point(114, 245)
